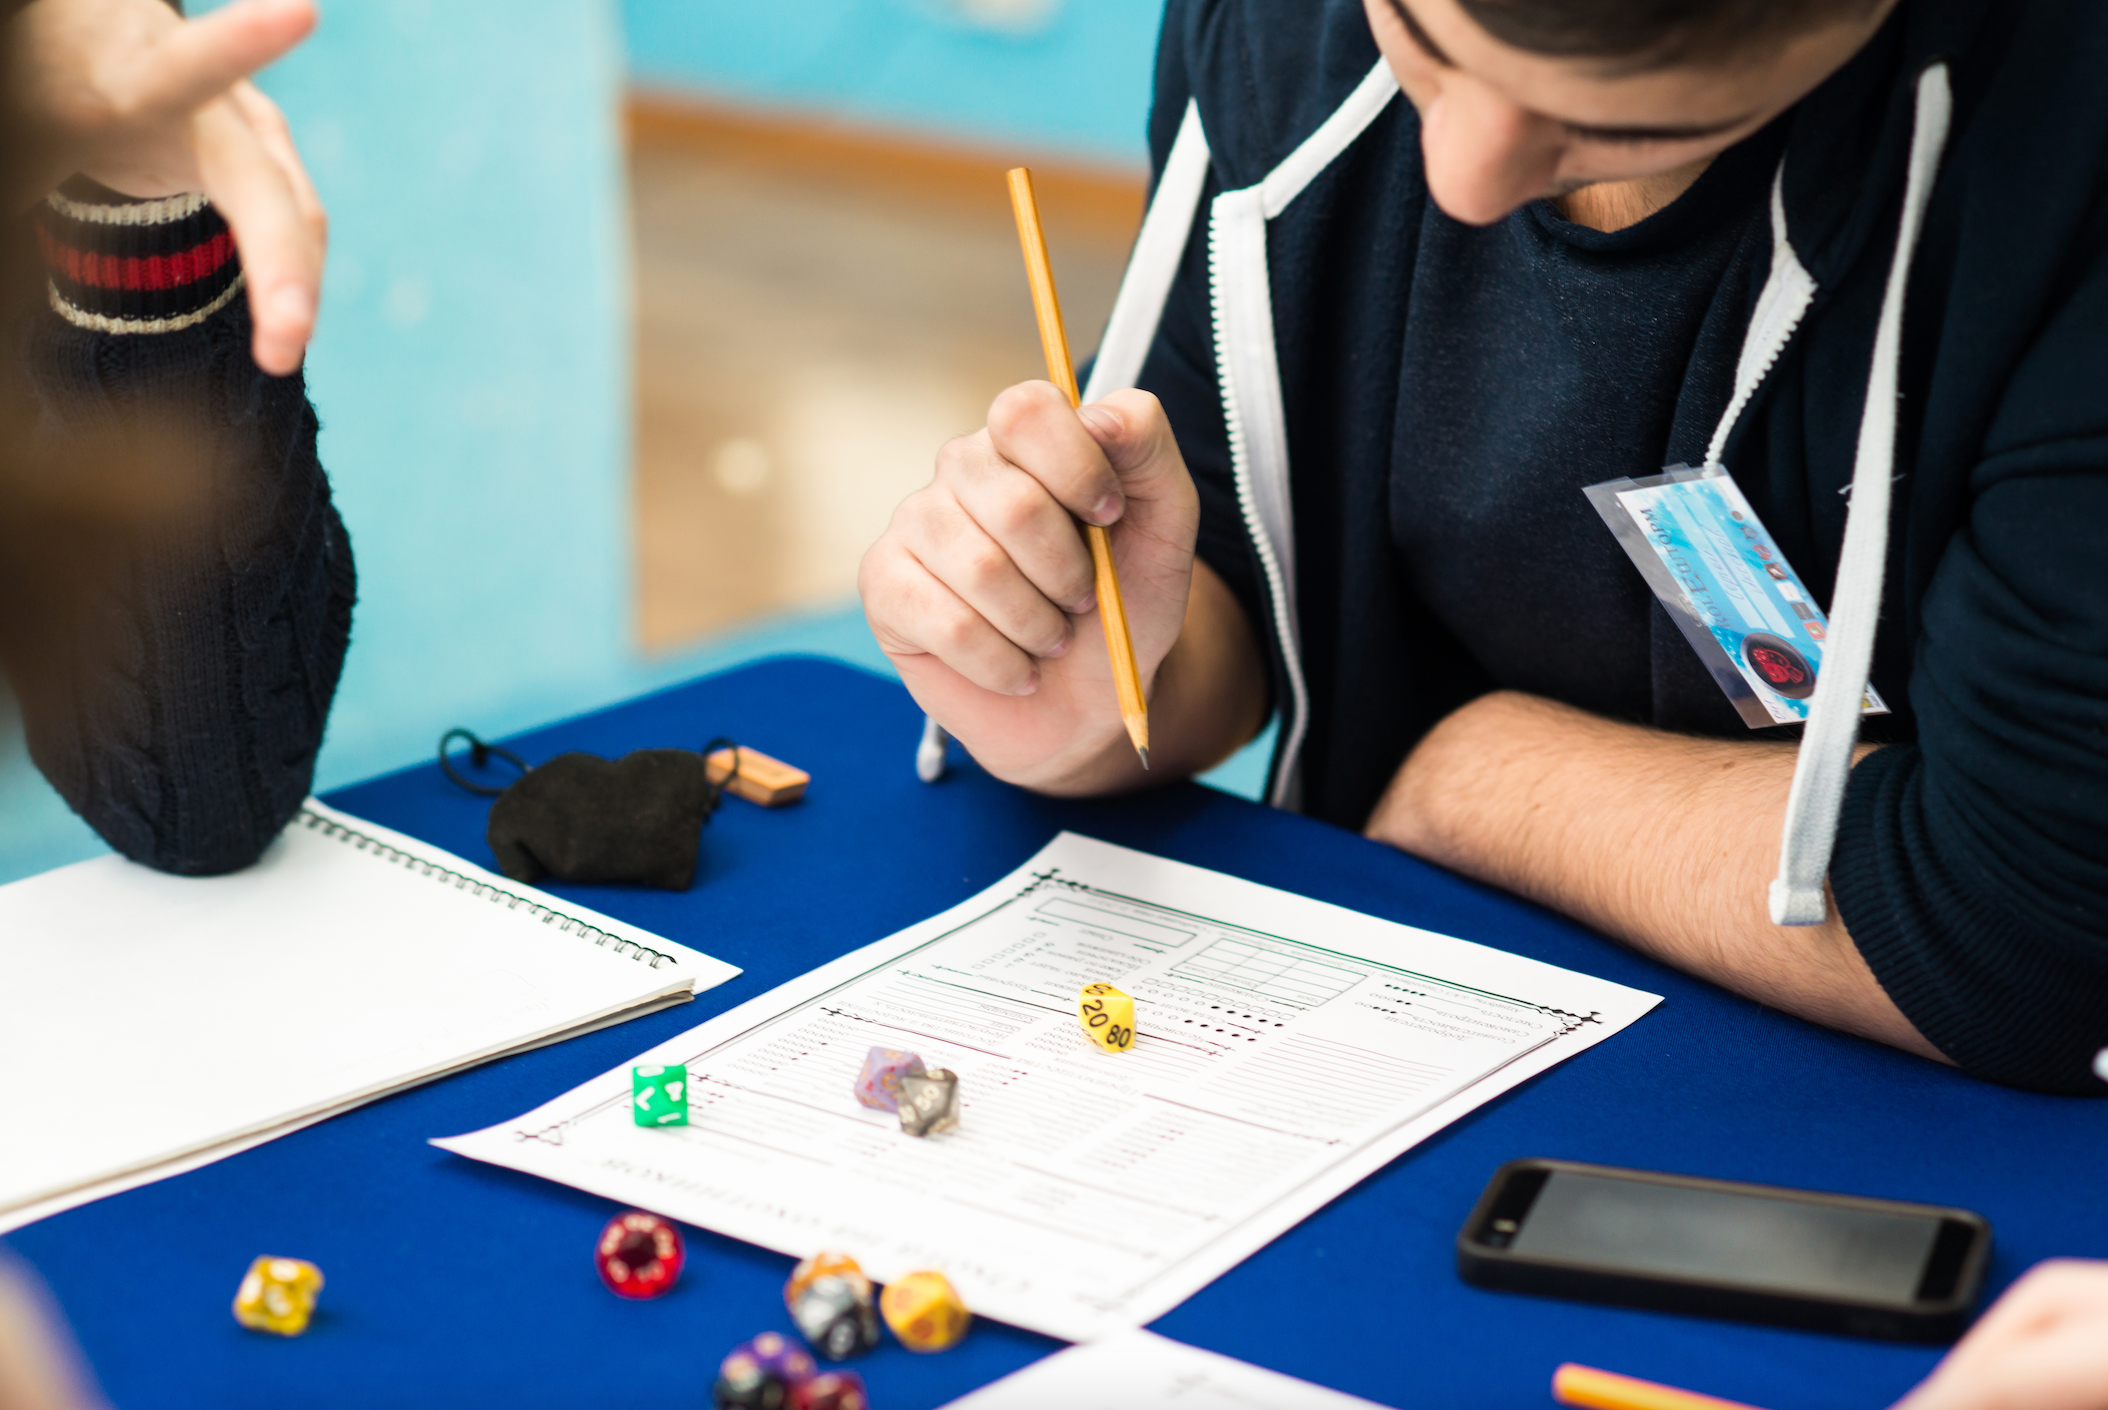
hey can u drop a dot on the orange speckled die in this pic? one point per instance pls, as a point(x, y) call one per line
point(833, 1305)
point(821, 1265)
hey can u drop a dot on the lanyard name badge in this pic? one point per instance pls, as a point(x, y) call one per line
point(1732, 593)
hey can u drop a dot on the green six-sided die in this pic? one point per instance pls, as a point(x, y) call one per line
point(659, 1095)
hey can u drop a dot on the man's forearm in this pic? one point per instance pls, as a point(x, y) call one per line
point(1663, 841)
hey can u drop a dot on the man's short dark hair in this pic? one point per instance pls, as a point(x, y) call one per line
point(1652, 33)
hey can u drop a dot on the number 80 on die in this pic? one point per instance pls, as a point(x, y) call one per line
point(1107, 1017)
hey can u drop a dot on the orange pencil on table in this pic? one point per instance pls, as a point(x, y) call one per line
point(1602, 1390)
point(1112, 608)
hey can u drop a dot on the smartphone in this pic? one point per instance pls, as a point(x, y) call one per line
point(1753, 1253)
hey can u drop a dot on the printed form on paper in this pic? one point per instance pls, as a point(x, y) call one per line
point(1285, 1048)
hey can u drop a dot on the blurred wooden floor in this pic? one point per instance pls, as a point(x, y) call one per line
point(818, 311)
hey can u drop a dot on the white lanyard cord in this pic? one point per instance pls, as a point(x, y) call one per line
point(1824, 762)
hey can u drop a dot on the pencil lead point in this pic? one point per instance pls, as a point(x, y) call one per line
point(1145, 759)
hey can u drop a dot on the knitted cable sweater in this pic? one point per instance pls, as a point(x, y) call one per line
point(175, 671)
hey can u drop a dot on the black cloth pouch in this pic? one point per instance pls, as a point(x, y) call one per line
point(580, 817)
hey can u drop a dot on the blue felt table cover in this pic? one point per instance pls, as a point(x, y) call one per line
point(452, 1283)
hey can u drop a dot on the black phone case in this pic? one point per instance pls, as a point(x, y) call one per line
point(1940, 1318)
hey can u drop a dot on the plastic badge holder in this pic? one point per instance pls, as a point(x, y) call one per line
point(1732, 593)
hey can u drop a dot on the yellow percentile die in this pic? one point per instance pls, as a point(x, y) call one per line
point(924, 1311)
point(1108, 1016)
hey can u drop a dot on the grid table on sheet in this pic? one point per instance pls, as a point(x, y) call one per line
point(1276, 974)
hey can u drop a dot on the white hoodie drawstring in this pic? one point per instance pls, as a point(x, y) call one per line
point(1825, 759)
point(1824, 763)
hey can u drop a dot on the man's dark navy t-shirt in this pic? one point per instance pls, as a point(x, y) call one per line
point(1969, 861)
point(1540, 357)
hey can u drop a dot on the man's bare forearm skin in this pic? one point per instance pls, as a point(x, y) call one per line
point(1663, 841)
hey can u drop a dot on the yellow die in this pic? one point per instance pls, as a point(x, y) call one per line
point(278, 1295)
point(924, 1311)
point(1107, 1016)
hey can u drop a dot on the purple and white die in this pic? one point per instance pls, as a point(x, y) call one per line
point(878, 1085)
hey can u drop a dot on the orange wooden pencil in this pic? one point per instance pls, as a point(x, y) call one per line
point(1112, 608)
point(1601, 1390)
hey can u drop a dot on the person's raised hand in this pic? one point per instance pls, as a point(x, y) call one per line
point(151, 104)
point(2043, 1346)
point(981, 589)
point(39, 1366)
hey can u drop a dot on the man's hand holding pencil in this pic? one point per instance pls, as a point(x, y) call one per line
point(1041, 597)
point(982, 591)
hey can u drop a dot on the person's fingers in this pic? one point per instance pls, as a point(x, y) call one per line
point(962, 556)
point(2047, 1293)
point(1032, 426)
point(2041, 1346)
point(1153, 542)
point(1016, 510)
point(196, 61)
point(1135, 437)
point(913, 614)
point(271, 129)
point(35, 1351)
point(280, 257)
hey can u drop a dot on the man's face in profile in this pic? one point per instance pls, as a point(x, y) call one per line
point(1503, 126)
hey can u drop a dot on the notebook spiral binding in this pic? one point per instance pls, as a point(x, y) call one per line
point(570, 925)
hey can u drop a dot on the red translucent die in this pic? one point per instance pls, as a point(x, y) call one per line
point(830, 1390)
point(639, 1255)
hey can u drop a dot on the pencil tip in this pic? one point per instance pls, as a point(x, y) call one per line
point(1145, 759)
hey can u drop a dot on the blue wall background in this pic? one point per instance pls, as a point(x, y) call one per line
point(1067, 77)
point(472, 364)
point(471, 368)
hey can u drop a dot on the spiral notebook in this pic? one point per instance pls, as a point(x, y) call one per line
point(150, 1024)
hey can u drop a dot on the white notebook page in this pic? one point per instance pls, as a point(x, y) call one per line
point(1284, 1049)
point(146, 1017)
point(1143, 1371)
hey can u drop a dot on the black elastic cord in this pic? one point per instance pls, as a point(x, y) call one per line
point(717, 789)
point(478, 757)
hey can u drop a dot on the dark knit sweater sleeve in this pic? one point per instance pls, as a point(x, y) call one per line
point(176, 694)
point(1972, 865)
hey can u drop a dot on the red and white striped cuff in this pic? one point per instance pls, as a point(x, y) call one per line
point(117, 265)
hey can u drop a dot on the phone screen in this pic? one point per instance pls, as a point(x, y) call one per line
point(1751, 1240)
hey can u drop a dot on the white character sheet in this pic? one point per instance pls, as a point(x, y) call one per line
point(1285, 1049)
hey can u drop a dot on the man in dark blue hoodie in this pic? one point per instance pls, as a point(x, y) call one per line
point(1853, 251)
